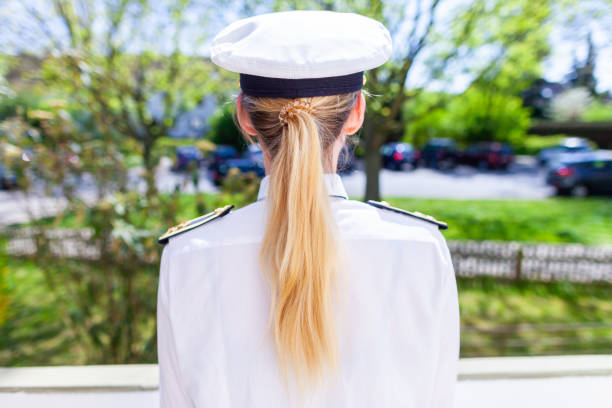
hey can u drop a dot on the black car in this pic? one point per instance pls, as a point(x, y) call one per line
point(582, 174)
point(439, 153)
point(399, 156)
point(489, 155)
point(569, 145)
point(217, 158)
point(187, 156)
point(245, 165)
point(222, 153)
point(251, 161)
point(346, 160)
point(255, 154)
point(8, 179)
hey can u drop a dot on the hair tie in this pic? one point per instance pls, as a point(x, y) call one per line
point(289, 109)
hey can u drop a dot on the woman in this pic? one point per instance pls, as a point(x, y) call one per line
point(306, 298)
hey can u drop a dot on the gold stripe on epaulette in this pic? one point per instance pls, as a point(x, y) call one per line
point(415, 214)
point(191, 224)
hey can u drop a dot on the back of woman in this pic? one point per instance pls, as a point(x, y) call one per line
point(306, 298)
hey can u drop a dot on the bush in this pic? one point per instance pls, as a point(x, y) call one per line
point(570, 105)
point(597, 112)
point(223, 130)
point(17, 105)
point(4, 294)
point(532, 144)
point(476, 115)
point(166, 147)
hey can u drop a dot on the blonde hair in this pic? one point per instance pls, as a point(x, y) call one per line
point(300, 249)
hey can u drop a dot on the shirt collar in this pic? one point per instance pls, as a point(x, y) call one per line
point(333, 183)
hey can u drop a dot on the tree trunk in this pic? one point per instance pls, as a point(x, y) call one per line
point(149, 167)
point(373, 141)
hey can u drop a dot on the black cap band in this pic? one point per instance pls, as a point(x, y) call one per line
point(254, 85)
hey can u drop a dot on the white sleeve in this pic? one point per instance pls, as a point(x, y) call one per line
point(171, 389)
point(447, 340)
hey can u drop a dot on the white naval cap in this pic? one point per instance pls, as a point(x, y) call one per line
point(301, 53)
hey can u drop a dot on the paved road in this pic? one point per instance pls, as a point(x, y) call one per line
point(523, 181)
point(464, 182)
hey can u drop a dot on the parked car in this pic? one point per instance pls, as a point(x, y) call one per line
point(439, 153)
point(222, 153)
point(567, 146)
point(489, 155)
point(227, 157)
point(186, 155)
point(582, 174)
point(346, 160)
point(399, 156)
point(8, 179)
point(245, 165)
point(254, 153)
point(217, 157)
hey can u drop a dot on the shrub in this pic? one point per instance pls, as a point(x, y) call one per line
point(475, 115)
point(223, 130)
point(597, 112)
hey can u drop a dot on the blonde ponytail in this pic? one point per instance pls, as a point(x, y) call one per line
point(299, 252)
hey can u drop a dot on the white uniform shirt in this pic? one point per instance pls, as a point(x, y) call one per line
point(398, 315)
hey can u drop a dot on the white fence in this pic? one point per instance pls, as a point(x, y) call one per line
point(509, 260)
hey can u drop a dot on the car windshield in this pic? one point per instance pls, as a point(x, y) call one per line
point(403, 147)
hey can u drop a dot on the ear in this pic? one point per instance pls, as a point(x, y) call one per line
point(355, 119)
point(243, 117)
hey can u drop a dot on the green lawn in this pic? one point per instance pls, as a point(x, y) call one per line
point(524, 318)
point(32, 331)
point(586, 221)
point(497, 317)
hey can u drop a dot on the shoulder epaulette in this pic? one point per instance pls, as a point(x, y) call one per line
point(385, 205)
point(196, 222)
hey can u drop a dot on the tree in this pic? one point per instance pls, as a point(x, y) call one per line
point(109, 94)
point(135, 76)
point(570, 105)
point(99, 254)
point(223, 130)
point(484, 42)
point(580, 23)
point(473, 116)
point(583, 74)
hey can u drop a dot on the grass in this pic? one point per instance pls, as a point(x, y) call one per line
point(556, 220)
point(526, 318)
point(497, 317)
point(585, 221)
point(33, 331)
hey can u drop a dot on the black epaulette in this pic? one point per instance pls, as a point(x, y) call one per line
point(196, 222)
point(385, 206)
